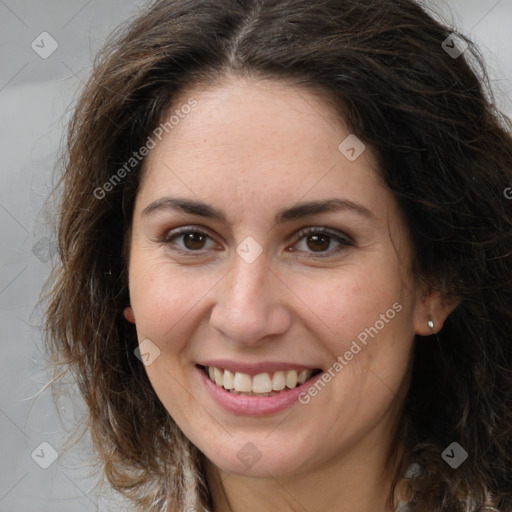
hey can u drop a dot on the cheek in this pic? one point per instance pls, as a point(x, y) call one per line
point(163, 297)
point(351, 300)
point(366, 317)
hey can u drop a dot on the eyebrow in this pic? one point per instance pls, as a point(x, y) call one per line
point(294, 212)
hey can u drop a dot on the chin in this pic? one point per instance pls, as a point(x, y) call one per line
point(254, 460)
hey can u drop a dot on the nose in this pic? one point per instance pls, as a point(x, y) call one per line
point(250, 303)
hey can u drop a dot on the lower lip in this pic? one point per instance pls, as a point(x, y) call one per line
point(255, 405)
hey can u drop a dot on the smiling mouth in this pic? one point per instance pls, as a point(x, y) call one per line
point(261, 384)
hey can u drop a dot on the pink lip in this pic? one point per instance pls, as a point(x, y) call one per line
point(253, 405)
point(255, 368)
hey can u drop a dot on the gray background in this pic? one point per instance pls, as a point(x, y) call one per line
point(36, 96)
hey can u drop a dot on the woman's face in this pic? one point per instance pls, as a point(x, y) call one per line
point(222, 274)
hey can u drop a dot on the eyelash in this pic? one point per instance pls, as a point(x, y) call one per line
point(344, 240)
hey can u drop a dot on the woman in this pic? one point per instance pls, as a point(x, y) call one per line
point(285, 244)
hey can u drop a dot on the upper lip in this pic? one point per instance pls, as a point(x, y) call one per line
point(255, 368)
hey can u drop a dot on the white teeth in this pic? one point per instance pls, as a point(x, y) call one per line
point(291, 379)
point(242, 382)
point(303, 376)
point(229, 377)
point(219, 377)
point(278, 382)
point(261, 383)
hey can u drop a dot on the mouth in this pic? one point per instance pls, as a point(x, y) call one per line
point(266, 384)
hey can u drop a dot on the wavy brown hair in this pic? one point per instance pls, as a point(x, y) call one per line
point(445, 152)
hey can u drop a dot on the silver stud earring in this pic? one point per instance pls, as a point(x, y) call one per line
point(430, 322)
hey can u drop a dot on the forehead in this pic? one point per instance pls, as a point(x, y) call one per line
point(245, 116)
point(258, 138)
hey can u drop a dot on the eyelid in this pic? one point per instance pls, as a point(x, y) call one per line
point(172, 234)
point(342, 238)
point(327, 231)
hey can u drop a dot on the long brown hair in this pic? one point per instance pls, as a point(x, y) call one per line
point(445, 151)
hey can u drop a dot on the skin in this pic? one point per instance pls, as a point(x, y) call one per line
point(252, 148)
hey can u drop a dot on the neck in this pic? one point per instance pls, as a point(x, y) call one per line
point(360, 480)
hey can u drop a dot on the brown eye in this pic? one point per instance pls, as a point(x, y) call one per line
point(188, 241)
point(321, 242)
point(318, 242)
point(194, 240)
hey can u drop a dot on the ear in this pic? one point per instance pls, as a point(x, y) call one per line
point(432, 305)
point(128, 314)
